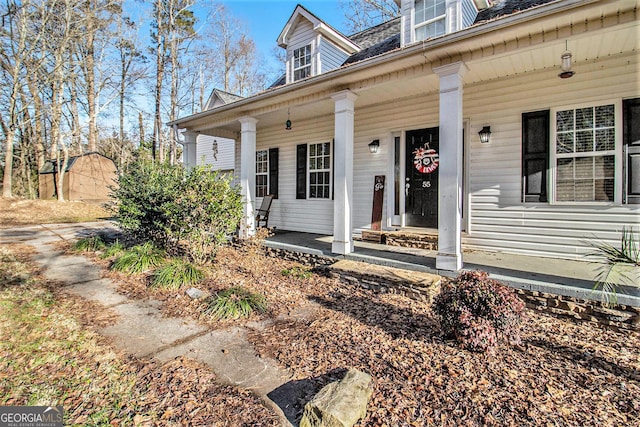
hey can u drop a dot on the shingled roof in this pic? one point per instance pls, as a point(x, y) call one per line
point(507, 7)
point(385, 37)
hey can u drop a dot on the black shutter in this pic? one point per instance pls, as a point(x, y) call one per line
point(535, 156)
point(333, 169)
point(631, 126)
point(301, 171)
point(273, 172)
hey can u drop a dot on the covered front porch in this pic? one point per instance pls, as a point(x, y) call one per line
point(564, 277)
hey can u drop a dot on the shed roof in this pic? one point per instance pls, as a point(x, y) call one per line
point(51, 166)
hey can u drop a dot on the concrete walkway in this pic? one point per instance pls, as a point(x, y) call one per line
point(141, 330)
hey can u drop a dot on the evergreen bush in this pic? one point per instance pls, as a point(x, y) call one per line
point(188, 211)
point(478, 311)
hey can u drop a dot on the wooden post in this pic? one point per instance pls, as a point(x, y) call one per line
point(378, 198)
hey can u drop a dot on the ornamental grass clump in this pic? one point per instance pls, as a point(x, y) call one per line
point(113, 250)
point(176, 273)
point(90, 244)
point(479, 312)
point(234, 303)
point(139, 259)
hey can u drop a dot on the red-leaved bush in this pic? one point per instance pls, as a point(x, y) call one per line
point(478, 311)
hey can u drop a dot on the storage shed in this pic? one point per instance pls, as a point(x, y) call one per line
point(87, 177)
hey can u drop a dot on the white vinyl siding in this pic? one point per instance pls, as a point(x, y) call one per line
point(224, 160)
point(331, 56)
point(469, 13)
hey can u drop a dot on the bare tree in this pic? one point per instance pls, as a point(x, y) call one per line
point(363, 14)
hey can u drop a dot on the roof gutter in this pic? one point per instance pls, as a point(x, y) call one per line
point(452, 38)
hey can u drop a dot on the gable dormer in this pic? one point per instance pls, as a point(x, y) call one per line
point(426, 19)
point(313, 47)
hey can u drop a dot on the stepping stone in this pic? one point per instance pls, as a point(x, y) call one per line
point(233, 359)
point(142, 331)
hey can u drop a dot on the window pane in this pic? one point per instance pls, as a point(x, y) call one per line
point(584, 141)
point(565, 169)
point(564, 143)
point(604, 167)
point(584, 190)
point(584, 118)
point(564, 120)
point(604, 190)
point(605, 139)
point(605, 116)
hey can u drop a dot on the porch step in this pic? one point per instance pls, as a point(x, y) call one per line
point(402, 238)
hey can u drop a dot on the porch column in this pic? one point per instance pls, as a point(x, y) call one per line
point(450, 176)
point(343, 173)
point(247, 174)
point(189, 156)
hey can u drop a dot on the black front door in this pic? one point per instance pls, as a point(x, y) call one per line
point(421, 185)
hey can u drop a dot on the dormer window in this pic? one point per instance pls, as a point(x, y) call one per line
point(302, 62)
point(429, 18)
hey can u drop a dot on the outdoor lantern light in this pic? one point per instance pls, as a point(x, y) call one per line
point(288, 122)
point(566, 64)
point(485, 134)
point(374, 145)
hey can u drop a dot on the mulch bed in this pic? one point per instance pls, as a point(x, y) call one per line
point(564, 373)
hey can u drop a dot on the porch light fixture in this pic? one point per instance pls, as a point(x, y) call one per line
point(214, 149)
point(288, 122)
point(566, 63)
point(374, 145)
point(485, 134)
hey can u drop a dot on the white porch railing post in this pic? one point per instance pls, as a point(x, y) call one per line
point(189, 151)
point(248, 174)
point(343, 173)
point(450, 175)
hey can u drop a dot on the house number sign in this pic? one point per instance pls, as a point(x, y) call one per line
point(426, 160)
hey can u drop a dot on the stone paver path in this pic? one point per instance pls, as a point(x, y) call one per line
point(141, 330)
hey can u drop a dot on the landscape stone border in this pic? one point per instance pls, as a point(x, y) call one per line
point(619, 317)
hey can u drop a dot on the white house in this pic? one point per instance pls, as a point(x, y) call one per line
point(555, 82)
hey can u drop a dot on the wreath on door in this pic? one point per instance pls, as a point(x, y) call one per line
point(426, 159)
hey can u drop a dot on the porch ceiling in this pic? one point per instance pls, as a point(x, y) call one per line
point(590, 33)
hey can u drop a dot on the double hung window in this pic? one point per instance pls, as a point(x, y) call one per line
point(429, 18)
point(302, 62)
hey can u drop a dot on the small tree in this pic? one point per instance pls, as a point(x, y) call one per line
point(185, 211)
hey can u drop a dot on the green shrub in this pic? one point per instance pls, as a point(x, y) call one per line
point(234, 303)
point(478, 311)
point(176, 273)
point(90, 244)
point(113, 250)
point(188, 211)
point(297, 272)
point(139, 259)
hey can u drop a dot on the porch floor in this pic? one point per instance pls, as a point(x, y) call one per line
point(558, 276)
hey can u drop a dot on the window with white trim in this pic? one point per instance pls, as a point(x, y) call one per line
point(302, 62)
point(320, 171)
point(429, 18)
point(262, 173)
point(585, 154)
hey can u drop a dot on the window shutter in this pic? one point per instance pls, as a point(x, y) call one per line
point(535, 155)
point(273, 172)
point(333, 169)
point(631, 126)
point(301, 171)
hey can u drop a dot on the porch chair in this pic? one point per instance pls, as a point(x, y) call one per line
point(262, 214)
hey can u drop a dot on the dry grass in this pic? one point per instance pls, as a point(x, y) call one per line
point(28, 212)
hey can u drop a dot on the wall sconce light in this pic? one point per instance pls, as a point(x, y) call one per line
point(288, 122)
point(374, 145)
point(566, 63)
point(485, 134)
